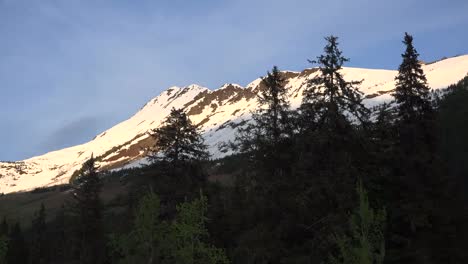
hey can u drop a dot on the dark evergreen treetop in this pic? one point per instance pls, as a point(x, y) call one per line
point(88, 184)
point(267, 141)
point(178, 140)
point(329, 94)
point(411, 92)
point(273, 118)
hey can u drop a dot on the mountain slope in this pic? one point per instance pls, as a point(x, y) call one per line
point(218, 112)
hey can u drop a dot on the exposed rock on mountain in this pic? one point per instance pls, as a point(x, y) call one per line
point(218, 112)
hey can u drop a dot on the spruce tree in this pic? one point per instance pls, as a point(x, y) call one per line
point(331, 149)
point(268, 139)
point(267, 145)
point(274, 118)
point(178, 141)
point(328, 96)
point(415, 112)
point(179, 155)
point(416, 190)
point(88, 212)
point(412, 93)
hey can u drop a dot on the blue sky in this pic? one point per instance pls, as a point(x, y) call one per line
point(71, 69)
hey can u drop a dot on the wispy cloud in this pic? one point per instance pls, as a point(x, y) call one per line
point(72, 133)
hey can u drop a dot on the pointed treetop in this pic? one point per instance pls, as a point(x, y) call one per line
point(329, 94)
point(332, 57)
point(411, 91)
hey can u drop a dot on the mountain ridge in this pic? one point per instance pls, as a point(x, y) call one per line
point(218, 112)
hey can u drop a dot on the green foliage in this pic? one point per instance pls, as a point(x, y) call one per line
point(144, 243)
point(154, 241)
point(187, 235)
point(365, 243)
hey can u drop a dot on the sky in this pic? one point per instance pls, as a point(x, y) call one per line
point(71, 69)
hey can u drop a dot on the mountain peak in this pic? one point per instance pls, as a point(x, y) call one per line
point(218, 113)
point(230, 85)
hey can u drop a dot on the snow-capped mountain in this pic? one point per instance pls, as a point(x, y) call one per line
point(218, 112)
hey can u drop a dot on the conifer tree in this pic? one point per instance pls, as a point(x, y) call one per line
point(273, 119)
point(416, 190)
point(267, 145)
point(268, 139)
point(178, 141)
point(180, 155)
point(88, 211)
point(411, 91)
point(39, 243)
point(331, 148)
point(328, 96)
point(415, 113)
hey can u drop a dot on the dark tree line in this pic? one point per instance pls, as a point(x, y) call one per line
point(294, 196)
point(329, 182)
